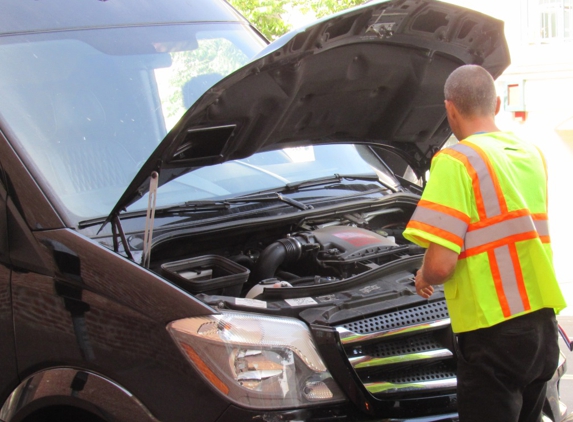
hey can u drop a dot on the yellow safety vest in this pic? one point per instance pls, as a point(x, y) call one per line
point(487, 200)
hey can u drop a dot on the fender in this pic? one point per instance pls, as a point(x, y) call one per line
point(77, 388)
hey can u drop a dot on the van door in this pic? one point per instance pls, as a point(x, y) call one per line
point(8, 374)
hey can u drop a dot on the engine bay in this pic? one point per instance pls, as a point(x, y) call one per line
point(283, 268)
point(347, 272)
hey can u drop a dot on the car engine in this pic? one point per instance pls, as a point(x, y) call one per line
point(320, 255)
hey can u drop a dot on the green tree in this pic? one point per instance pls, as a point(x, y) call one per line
point(327, 7)
point(268, 15)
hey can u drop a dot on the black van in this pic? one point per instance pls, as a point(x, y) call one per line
point(198, 226)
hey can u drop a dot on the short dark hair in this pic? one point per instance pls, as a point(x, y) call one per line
point(472, 91)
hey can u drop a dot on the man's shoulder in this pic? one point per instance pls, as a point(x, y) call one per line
point(486, 139)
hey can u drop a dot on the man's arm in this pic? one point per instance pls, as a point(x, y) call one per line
point(439, 265)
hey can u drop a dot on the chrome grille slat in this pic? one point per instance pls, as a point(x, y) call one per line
point(369, 361)
point(348, 337)
point(388, 387)
point(419, 379)
point(404, 351)
point(403, 345)
point(404, 317)
point(436, 372)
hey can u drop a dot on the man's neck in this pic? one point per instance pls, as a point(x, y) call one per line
point(477, 125)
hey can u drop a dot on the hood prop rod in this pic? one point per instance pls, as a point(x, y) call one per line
point(149, 220)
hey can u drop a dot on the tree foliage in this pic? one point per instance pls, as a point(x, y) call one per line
point(268, 16)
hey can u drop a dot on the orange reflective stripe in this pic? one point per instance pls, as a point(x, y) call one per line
point(498, 285)
point(436, 231)
point(519, 277)
point(499, 218)
point(440, 218)
point(498, 243)
point(499, 230)
point(540, 221)
point(485, 186)
point(444, 209)
point(473, 175)
point(499, 193)
point(542, 226)
point(508, 278)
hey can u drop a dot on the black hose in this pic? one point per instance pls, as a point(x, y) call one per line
point(272, 257)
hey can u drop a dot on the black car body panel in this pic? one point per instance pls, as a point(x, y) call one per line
point(271, 280)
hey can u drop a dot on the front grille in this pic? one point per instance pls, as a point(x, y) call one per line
point(403, 318)
point(406, 352)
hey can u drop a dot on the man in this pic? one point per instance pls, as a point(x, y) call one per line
point(483, 218)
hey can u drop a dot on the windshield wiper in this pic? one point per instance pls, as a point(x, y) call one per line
point(272, 196)
point(222, 204)
point(336, 178)
point(264, 196)
point(215, 205)
point(196, 206)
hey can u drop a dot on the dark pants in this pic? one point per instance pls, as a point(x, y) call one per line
point(503, 370)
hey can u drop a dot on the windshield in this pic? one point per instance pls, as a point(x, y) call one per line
point(84, 109)
point(271, 170)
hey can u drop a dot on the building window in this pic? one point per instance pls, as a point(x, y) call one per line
point(550, 20)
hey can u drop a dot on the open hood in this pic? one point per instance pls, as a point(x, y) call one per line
point(373, 74)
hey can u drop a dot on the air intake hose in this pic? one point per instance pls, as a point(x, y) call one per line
point(271, 258)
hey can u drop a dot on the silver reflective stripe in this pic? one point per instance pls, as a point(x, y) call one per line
point(498, 231)
point(440, 220)
point(542, 227)
point(487, 188)
point(508, 279)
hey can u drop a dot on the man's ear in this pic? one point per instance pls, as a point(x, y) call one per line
point(497, 105)
point(454, 118)
point(451, 110)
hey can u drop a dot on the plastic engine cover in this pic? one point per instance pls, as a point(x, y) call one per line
point(350, 243)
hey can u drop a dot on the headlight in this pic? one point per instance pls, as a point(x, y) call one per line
point(257, 360)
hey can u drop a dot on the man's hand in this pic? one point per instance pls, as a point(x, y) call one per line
point(439, 265)
point(423, 288)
